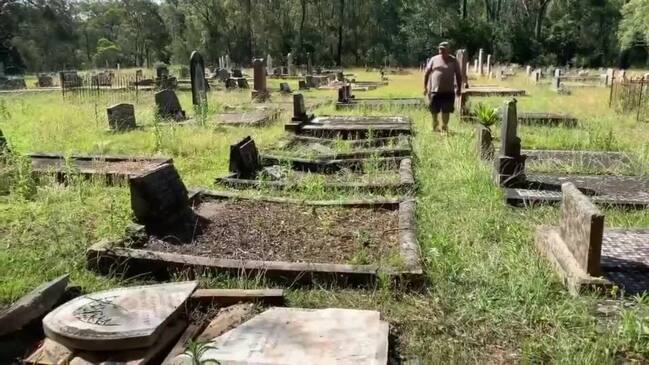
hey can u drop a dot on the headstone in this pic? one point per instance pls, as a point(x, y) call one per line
point(45, 80)
point(284, 87)
point(290, 66)
point(277, 72)
point(303, 336)
point(309, 66)
point(489, 64)
point(461, 59)
point(199, 83)
point(259, 93)
point(340, 76)
point(537, 75)
point(303, 85)
point(475, 66)
point(582, 228)
point(242, 83)
point(227, 62)
point(609, 73)
point(244, 158)
point(70, 79)
point(269, 65)
point(481, 62)
point(345, 94)
point(236, 72)
point(168, 105)
point(556, 83)
point(121, 117)
point(510, 165)
point(33, 305)
point(117, 319)
point(159, 197)
point(557, 72)
point(184, 72)
point(299, 110)
point(528, 71)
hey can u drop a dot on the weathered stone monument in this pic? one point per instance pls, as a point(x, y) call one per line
point(269, 65)
point(227, 62)
point(528, 71)
point(462, 61)
point(168, 106)
point(309, 65)
point(289, 65)
point(259, 92)
point(121, 117)
point(299, 110)
point(475, 66)
point(481, 62)
point(199, 83)
point(557, 72)
point(510, 164)
point(117, 319)
point(489, 65)
point(244, 159)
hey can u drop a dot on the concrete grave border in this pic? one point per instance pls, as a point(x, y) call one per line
point(119, 256)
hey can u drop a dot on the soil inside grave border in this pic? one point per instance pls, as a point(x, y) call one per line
point(405, 185)
point(109, 257)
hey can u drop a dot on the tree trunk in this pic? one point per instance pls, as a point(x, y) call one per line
point(464, 9)
point(302, 20)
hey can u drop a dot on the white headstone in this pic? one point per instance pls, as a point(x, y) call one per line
point(528, 70)
point(475, 66)
point(291, 68)
point(302, 336)
point(489, 65)
point(118, 319)
point(481, 62)
point(227, 61)
point(557, 72)
point(269, 63)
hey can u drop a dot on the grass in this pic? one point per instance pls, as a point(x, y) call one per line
point(490, 296)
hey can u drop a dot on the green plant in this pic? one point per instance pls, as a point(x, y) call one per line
point(196, 350)
point(486, 115)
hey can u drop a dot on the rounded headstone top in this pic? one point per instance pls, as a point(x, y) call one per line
point(117, 319)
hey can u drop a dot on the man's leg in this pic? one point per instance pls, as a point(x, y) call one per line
point(445, 119)
point(435, 121)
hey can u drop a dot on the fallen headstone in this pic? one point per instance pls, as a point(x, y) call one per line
point(33, 305)
point(121, 117)
point(302, 336)
point(117, 319)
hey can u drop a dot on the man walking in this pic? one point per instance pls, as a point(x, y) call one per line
point(442, 82)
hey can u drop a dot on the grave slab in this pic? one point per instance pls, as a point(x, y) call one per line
point(33, 305)
point(549, 119)
point(118, 319)
point(382, 103)
point(253, 118)
point(488, 91)
point(303, 336)
point(353, 127)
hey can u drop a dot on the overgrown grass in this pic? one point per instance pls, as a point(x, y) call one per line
point(490, 297)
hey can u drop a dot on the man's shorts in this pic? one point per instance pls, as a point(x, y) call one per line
point(442, 102)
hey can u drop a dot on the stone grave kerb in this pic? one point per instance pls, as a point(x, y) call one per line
point(121, 117)
point(198, 82)
point(159, 198)
point(510, 164)
point(244, 159)
point(582, 228)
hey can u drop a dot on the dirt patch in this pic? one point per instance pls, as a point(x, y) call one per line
point(249, 230)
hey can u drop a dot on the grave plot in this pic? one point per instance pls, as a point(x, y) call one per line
point(491, 90)
point(250, 118)
point(371, 175)
point(282, 239)
point(344, 127)
point(553, 119)
point(332, 149)
point(523, 188)
point(348, 101)
point(111, 168)
point(576, 161)
point(589, 257)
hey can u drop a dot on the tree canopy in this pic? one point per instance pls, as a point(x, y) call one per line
point(47, 35)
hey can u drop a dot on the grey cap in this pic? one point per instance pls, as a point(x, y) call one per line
point(444, 45)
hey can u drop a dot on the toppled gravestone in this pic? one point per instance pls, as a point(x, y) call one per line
point(301, 336)
point(117, 319)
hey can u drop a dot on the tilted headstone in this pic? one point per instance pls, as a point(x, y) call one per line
point(510, 165)
point(481, 62)
point(168, 105)
point(117, 319)
point(159, 197)
point(582, 228)
point(244, 158)
point(199, 83)
point(290, 67)
point(284, 87)
point(259, 93)
point(461, 59)
point(121, 117)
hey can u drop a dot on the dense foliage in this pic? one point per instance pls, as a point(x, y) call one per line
point(55, 34)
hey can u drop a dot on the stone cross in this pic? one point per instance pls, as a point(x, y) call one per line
point(489, 64)
point(269, 67)
point(481, 62)
point(199, 83)
point(582, 229)
point(121, 117)
point(259, 92)
point(168, 105)
point(291, 68)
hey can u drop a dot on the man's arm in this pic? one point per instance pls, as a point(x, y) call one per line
point(426, 77)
